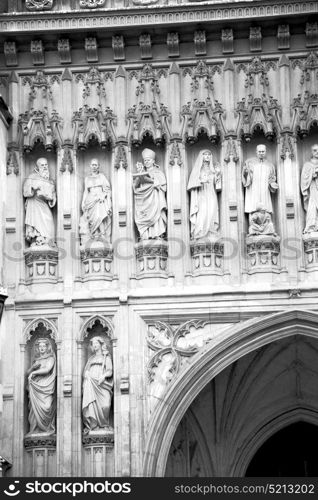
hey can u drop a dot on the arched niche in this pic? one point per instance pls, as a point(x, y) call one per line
point(40, 448)
point(242, 340)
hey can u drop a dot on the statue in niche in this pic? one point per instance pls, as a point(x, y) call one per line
point(204, 184)
point(259, 180)
point(261, 222)
point(309, 189)
point(150, 187)
point(41, 388)
point(97, 387)
point(95, 223)
point(40, 194)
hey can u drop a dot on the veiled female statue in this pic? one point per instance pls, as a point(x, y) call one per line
point(203, 185)
point(96, 206)
point(42, 388)
point(97, 387)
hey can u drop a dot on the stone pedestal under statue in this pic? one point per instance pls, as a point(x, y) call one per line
point(263, 253)
point(97, 258)
point(99, 453)
point(311, 249)
point(41, 449)
point(152, 258)
point(207, 257)
point(41, 264)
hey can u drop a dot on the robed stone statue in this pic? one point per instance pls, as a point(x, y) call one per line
point(259, 180)
point(150, 187)
point(40, 194)
point(42, 388)
point(309, 189)
point(97, 387)
point(204, 184)
point(95, 223)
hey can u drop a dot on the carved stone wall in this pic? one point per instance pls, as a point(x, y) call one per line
point(219, 76)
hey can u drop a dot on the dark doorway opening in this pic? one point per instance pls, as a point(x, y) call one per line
point(291, 452)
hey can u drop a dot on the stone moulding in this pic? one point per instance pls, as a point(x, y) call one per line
point(40, 441)
point(56, 21)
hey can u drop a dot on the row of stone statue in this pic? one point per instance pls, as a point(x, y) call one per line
point(97, 388)
point(150, 185)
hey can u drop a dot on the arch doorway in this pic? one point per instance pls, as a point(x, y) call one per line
point(291, 452)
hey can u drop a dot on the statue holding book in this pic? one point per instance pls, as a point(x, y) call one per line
point(150, 185)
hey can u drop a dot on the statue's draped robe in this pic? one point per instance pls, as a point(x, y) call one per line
point(151, 206)
point(42, 401)
point(97, 398)
point(97, 204)
point(309, 189)
point(258, 184)
point(204, 208)
point(38, 217)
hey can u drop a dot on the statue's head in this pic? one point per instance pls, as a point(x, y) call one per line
point(43, 345)
point(42, 168)
point(98, 344)
point(207, 155)
point(148, 157)
point(314, 151)
point(261, 151)
point(94, 166)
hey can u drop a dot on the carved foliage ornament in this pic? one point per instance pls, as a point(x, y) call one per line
point(39, 4)
point(92, 4)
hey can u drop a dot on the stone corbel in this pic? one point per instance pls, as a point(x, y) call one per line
point(10, 54)
point(145, 46)
point(37, 52)
point(91, 49)
point(227, 41)
point(311, 34)
point(283, 37)
point(173, 44)
point(64, 50)
point(118, 45)
point(200, 43)
point(255, 39)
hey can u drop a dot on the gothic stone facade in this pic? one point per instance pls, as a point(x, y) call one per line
point(196, 329)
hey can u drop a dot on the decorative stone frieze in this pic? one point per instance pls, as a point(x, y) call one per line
point(40, 441)
point(41, 264)
point(283, 37)
point(64, 50)
point(152, 258)
point(227, 41)
point(37, 52)
point(263, 253)
point(97, 258)
point(199, 43)
point(311, 250)
point(10, 54)
point(173, 44)
point(207, 257)
point(92, 4)
point(118, 45)
point(255, 39)
point(145, 46)
point(39, 4)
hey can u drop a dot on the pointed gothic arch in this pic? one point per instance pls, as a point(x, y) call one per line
point(243, 339)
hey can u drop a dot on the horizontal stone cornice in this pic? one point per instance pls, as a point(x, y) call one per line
point(191, 13)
